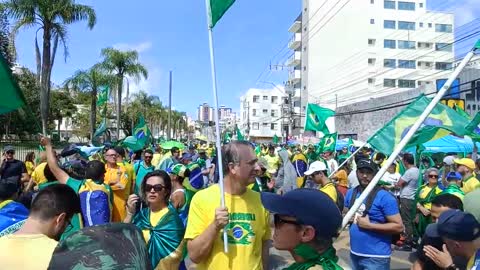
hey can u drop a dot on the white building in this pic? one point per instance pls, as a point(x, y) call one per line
point(205, 113)
point(350, 51)
point(263, 114)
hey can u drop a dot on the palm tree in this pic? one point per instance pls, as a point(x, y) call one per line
point(51, 17)
point(121, 64)
point(90, 81)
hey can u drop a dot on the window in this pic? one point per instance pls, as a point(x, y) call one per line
point(371, 80)
point(273, 113)
point(420, 83)
point(254, 112)
point(420, 25)
point(387, 24)
point(404, 44)
point(424, 45)
point(255, 126)
point(443, 28)
point(429, 25)
point(372, 1)
point(371, 42)
point(264, 125)
point(256, 99)
point(389, 4)
point(407, 64)
point(388, 82)
point(371, 61)
point(443, 47)
point(389, 43)
point(420, 5)
point(406, 83)
point(425, 65)
point(389, 63)
point(372, 21)
point(265, 111)
point(273, 126)
point(406, 5)
point(406, 25)
point(274, 99)
point(443, 66)
point(265, 97)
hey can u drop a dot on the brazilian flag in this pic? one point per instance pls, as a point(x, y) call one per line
point(328, 143)
point(141, 131)
point(441, 122)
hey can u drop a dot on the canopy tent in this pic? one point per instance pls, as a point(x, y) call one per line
point(448, 144)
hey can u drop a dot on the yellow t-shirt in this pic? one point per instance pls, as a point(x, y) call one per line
point(156, 159)
point(248, 228)
point(330, 190)
point(342, 177)
point(26, 251)
point(38, 176)
point(424, 193)
point(130, 171)
point(30, 167)
point(120, 192)
point(154, 219)
point(273, 163)
point(470, 184)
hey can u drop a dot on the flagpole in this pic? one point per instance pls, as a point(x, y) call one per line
point(344, 162)
point(353, 209)
point(217, 123)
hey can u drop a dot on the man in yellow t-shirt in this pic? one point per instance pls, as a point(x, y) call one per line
point(248, 221)
point(121, 161)
point(318, 172)
point(465, 167)
point(32, 246)
point(273, 161)
point(117, 177)
point(157, 156)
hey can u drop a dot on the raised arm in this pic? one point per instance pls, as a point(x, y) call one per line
point(61, 176)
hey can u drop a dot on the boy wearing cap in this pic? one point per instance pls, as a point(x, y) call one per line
point(306, 221)
point(319, 173)
point(372, 230)
point(454, 181)
point(461, 233)
point(465, 167)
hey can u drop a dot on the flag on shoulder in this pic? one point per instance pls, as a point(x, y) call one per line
point(217, 9)
point(442, 121)
point(316, 118)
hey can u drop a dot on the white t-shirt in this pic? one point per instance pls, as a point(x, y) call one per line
point(352, 179)
point(392, 178)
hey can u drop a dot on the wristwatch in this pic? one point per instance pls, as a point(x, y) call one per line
point(451, 267)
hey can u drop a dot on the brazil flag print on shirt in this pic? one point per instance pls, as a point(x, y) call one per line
point(247, 229)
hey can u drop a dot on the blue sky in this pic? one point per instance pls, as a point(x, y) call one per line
point(171, 35)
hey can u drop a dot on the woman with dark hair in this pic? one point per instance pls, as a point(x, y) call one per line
point(161, 226)
point(425, 195)
point(30, 162)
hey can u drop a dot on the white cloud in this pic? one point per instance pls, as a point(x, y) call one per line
point(140, 47)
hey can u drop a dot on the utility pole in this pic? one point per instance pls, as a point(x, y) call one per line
point(169, 127)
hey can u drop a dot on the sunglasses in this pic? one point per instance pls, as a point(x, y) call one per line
point(149, 157)
point(156, 188)
point(112, 155)
point(433, 176)
point(278, 221)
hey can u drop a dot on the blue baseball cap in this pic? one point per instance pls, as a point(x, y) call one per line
point(456, 225)
point(310, 206)
point(186, 156)
point(454, 175)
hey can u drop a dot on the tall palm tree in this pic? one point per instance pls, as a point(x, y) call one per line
point(51, 17)
point(90, 81)
point(121, 64)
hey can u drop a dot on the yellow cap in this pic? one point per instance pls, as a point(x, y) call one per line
point(469, 163)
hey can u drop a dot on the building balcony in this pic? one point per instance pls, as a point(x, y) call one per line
point(297, 93)
point(295, 42)
point(295, 59)
point(294, 76)
point(296, 27)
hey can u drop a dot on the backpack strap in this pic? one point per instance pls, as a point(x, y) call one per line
point(370, 198)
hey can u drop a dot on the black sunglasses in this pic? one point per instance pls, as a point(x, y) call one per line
point(156, 188)
point(278, 221)
point(148, 157)
point(433, 176)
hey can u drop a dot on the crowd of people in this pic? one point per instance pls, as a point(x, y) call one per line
point(160, 208)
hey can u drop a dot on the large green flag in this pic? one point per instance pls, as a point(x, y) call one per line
point(101, 128)
point(316, 117)
point(442, 121)
point(141, 131)
point(102, 96)
point(12, 96)
point(240, 135)
point(328, 143)
point(217, 9)
point(461, 112)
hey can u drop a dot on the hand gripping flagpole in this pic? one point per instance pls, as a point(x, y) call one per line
point(217, 125)
point(408, 136)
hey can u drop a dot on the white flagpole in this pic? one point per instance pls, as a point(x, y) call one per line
point(407, 138)
point(217, 124)
point(352, 155)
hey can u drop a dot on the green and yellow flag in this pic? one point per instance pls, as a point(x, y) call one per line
point(461, 112)
point(240, 135)
point(101, 128)
point(441, 122)
point(102, 96)
point(316, 117)
point(217, 9)
point(141, 131)
point(328, 143)
point(12, 96)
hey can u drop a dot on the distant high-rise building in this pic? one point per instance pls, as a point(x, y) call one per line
point(205, 113)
